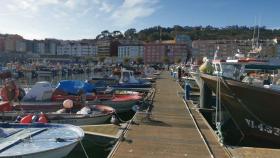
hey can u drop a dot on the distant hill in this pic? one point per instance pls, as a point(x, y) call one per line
point(195, 32)
point(205, 33)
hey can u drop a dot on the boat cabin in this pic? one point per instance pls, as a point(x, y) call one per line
point(251, 71)
point(127, 76)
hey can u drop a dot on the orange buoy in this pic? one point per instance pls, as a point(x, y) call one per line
point(42, 118)
point(26, 119)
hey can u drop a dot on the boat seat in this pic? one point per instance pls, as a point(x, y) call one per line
point(6, 132)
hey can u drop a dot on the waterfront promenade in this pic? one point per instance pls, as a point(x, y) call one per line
point(170, 131)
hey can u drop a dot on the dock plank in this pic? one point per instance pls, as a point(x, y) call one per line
point(170, 132)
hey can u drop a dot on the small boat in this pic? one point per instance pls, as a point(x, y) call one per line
point(38, 140)
point(121, 102)
point(88, 115)
point(98, 114)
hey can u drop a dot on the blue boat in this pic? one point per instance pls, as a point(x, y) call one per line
point(75, 86)
point(38, 140)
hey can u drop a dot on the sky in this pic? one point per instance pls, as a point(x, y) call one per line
point(79, 19)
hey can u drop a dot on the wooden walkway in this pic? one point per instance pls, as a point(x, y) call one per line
point(170, 132)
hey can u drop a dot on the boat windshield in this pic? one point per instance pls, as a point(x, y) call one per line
point(233, 71)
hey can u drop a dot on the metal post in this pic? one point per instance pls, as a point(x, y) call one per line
point(187, 90)
point(205, 96)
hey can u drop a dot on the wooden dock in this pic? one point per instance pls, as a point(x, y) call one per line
point(170, 131)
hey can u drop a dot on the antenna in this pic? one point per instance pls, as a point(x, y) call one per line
point(253, 41)
point(258, 32)
point(216, 52)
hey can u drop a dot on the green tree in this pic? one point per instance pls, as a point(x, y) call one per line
point(139, 60)
point(130, 33)
point(89, 59)
point(178, 60)
point(165, 60)
point(117, 35)
point(126, 60)
point(101, 59)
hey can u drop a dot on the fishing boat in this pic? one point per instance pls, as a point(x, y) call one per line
point(194, 72)
point(251, 102)
point(38, 140)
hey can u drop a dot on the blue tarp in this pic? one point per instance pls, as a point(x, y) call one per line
point(74, 86)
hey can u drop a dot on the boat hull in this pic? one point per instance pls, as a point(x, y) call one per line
point(253, 109)
point(41, 140)
point(196, 77)
point(54, 153)
point(84, 121)
point(119, 104)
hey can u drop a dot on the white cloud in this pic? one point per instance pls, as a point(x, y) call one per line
point(30, 5)
point(131, 10)
point(106, 7)
point(86, 18)
point(71, 3)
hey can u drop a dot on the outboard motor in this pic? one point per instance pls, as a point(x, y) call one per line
point(114, 120)
point(34, 118)
point(42, 118)
point(18, 119)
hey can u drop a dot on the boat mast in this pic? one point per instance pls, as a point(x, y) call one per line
point(258, 33)
point(253, 40)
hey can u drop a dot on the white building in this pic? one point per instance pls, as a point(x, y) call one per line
point(76, 48)
point(130, 51)
point(41, 47)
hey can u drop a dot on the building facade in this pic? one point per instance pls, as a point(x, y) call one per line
point(156, 52)
point(29, 46)
point(103, 48)
point(130, 51)
point(51, 46)
point(77, 48)
point(10, 42)
point(2, 44)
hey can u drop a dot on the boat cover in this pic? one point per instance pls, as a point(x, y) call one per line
point(74, 86)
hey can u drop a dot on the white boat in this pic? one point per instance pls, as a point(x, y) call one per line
point(38, 140)
point(97, 114)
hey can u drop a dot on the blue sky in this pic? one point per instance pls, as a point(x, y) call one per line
point(77, 19)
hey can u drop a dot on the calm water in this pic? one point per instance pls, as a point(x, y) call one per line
point(93, 149)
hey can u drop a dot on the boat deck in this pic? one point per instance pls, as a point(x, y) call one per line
point(170, 131)
point(106, 130)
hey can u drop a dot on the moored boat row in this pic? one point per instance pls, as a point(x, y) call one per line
point(32, 115)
